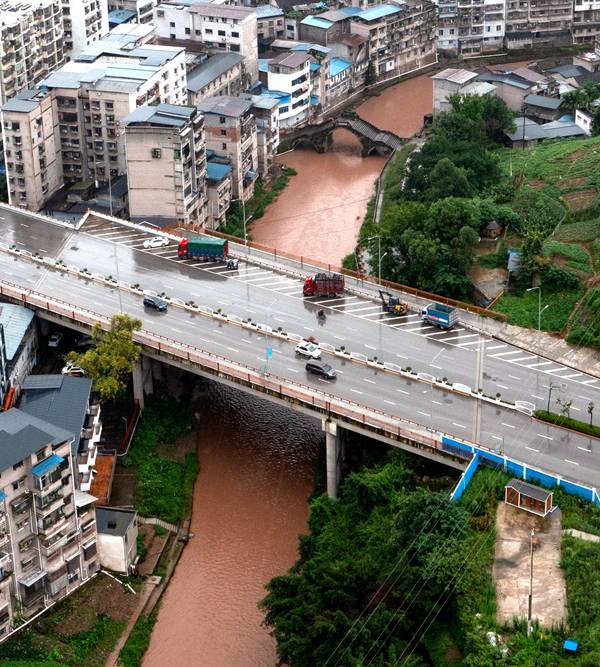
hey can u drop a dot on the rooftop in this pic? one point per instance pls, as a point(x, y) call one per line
point(337, 65)
point(506, 79)
point(378, 12)
point(222, 11)
point(119, 16)
point(26, 100)
point(15, 320)
point(212, 68)
point(61, 400)
point(529, 490)
point(526, 130)
point(122, 77)
point(543, 102)
point(316, 22)
point(290, 59)
point(267, 12)
point(224, 105)
point(459, 76)
point(215, 171)
point(478, 88)
point(113, 521)
point(161, 115)
point(22, 434)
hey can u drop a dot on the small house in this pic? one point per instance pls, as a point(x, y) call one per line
point(492, 230)
point(528, 497)
point(117, 538)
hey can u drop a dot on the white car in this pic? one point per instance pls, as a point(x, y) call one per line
point(156, 242)
point(55, 339)
point(308, 350)
point(71, 369)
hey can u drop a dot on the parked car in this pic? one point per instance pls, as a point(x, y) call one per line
point(55, 339)
point(320, 368)
point(309, 350)
point(156, 242)
point(155, 302)
point(71, 369)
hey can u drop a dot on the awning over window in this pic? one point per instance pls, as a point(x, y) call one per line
point(47, 465)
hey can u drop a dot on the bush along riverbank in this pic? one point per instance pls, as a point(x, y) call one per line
point(264, 194)
point(568, 422)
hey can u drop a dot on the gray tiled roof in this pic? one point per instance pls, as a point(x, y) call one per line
point(529, 490)
point(122, 519)
point(22, 434)
point(64, 403)
point(225, 105)
point(212, 68)
point(173, 115)
point(543, 102)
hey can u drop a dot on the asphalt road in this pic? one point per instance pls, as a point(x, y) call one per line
point(556, 450)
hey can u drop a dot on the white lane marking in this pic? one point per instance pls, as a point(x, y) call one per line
point(516, 361)
point(542, 363)
point(514, 377)
point(497, 437)
point(232, 349)
point(308, 328)
point(589, 382)
point(397, 317)
point(508, 425)
point(340, 298)
point(470, 342)
point(436, 402)
point(401, 356)
point(496, 347)
point(19, 242)
point(571, 462)
point(463, 335)
point(388, 402)
point(546, 437)
point(339, 338)
point(425, 414)
point(584, 449)
point(459, 425)
point(401, 391)
point(358, 310)
point(574, 408)
point(434, 366)
point(280, 289)
point(541, 398)
point(22, 224)
point(370, 347)
point(504, 354)
point(278, 319)
point(454, 338)
point(293, 370)
point(533, 449)
point(419, 328)
point(355, 391)
point(369, 381)
point(502, 386)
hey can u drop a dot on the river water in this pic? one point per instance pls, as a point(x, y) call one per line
point(320, 212)
point(257, 460)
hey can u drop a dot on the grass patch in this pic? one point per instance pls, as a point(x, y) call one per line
point(522, 309)
point(582, 231)
point(163, 487)
point(568, 422)
point(585, 329)
point(596, 254)
point(132, 653)
point(577, 257)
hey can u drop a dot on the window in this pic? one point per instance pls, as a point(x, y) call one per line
point(224, 147)
point(156, 153)
point(177, 154)
point(18, 465)
point(40, 454)
point(171, 24)
point(208, 31)
point(188, 31)
point(235, 34)
point(222, 120)
point(221, 33)
point(223, 133)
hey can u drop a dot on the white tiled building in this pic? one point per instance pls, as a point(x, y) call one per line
point(85, 22)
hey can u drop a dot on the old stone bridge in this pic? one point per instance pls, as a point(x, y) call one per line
point(320, 136)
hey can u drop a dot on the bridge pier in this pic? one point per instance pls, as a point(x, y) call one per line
point(142, 380)
point(334, 453)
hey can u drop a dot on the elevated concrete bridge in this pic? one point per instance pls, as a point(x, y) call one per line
point(320, 136)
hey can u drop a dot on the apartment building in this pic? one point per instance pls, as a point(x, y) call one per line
point(221, 74)
point(68, 403)
point(230, 129)
point(89, 98)
point(471, 28)
point(218, 189)
point(47, 527)
point(214, 28)
point(143, 9)
point(270, 24)
point(288, 79)
point(166, 165)
point(401, 38)
point(18, 350)
point(32, 44)
point(32, 156)
point(85, 22)
point(265, 110)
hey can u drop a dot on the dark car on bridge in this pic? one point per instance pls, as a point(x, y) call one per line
point(320, 368)
point(155, 302)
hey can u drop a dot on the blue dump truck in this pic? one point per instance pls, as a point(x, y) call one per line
point(440, 315)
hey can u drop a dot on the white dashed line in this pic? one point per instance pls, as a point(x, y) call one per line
point(571, 462)
point(356, 391)
point(585, 449)
point(546, 437)
point(541, 398)
point(533, 449)
point(402, 391)
point(514, 377)
point(459, 425)
point(388, 402)
point(425, 414)
point(437, 402)
point(508, 425)
point(369, 381)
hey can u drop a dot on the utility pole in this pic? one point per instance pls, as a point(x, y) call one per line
point(530, 599)
point(478, 387)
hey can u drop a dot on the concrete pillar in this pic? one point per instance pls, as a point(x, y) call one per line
point(157, 370)
point(138, 384)
point(147, 376)
point(332, 456)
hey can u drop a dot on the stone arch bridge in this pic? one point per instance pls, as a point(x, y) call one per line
point(320, 136)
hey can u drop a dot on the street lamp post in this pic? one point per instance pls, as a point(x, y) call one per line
point(551, 388)
point(539, 289)
point(379, 255)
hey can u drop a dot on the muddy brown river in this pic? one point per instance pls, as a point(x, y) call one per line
point(257, 460)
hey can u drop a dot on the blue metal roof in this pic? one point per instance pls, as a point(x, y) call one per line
point(316, 22)
point(2, 496)
point(47, 465)
point(350, 11)
point(379, 12)
point(337, 65)
point(283, 98)
point(315, 67)
point(267, 11)
point(16, 321)
point(570, 645)
point(118, 16)
point(215, 171)
point(305, 46)
point(263, 64)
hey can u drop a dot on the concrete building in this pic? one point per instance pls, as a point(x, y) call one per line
point(32, 148)
point(449, 82)
point(471, 29)
point(48, 540)
point(221, 74)
point(166, 165)
point(18, 350)
point(230, 129)
point(143, 9)
point(584, 119)
point(545, 23)
point(265, 110)
point(31, 35)
point(85, 21)
point(212, 27)
point(400, 38)
point(218, 191)
point(510, 88)
point(86, 101)
point(117, 538)
point(270, 25)
point(68, 403)
point(288, 78)
point(586, 21)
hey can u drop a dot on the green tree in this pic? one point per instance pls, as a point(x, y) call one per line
point(488, 113)
point(447, 180)
point(596, 122)
point(110, 360)
point(370, 74)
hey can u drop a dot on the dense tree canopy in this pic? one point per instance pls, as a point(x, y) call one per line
point(110, 361)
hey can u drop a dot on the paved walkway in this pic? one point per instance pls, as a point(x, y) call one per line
point(588, 537)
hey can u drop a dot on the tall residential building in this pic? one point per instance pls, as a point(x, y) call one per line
point(85, 22)
point(166, 165)
point(545, 23)
point(142, 8)
point(18, 350)
point(288, 76)
point(48, 539)
point(31, 35)
point(213, 27)
point(87, 99)
point(230, 129)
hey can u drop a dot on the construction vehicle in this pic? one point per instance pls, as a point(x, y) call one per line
point(392, 304)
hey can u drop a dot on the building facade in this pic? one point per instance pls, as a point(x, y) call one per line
point(48, 540)
point(166, 165)
point(117, 538)
point(230, 129)
point(85, 22)
point(221, 74)
point(143, 8)
point(18, 350)
point(32, 44)
point(289, 78)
